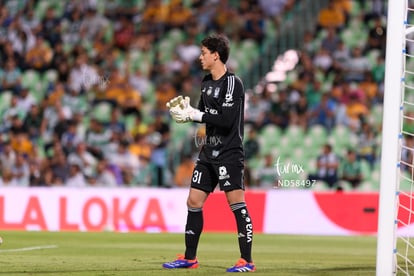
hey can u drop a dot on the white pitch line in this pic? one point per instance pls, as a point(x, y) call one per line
point(29, 248)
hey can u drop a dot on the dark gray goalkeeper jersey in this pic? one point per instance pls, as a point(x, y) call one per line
point(222, 102)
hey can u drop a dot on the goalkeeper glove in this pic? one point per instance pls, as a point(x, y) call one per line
point(182, 111)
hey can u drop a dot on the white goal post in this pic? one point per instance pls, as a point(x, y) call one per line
point(391, 129)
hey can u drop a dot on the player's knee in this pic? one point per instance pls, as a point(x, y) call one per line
point(194, 203)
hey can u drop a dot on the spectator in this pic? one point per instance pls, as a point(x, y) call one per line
point(331, 41)
point(279, 112)
point(256, 110)
point(39, 57)
point(274, 8)
point(75, 177)
point(377, 36)
point(8, 53)
point(82, 76)
point(11, 111)
point(188, 51)
point(11, 77)
point(21, 38)
point(47, 179)
point(97, 138)
point(370, 88)
point(367, 144)
point(35, 174)
point(84, 158)
point(141, 147)
point(178, 15)
point(25, 101)
point(254, 25)
point(104, 176)
point(357, 66)
point(21, 143)
point(72, 30)
point(159, 140)
point(140, 82)
point(54, 121)
point(310, 43)
point(324, 113)
point(73, 101)
point(116, 124)
point(124, 33)
point(127, 162)
point(251, 145)
point(266, 177)
point(323, 61)
point(70, 139)
point(340, 56)
point(163, 93)
point(331, 16)
point(350, 170)
point(7, 157)
point(28, 20)
point(7, 179)
point(356, 111)
point(327, 164)
point(51, 27)
point(94, 24)
point(299, 114)
point(60, 167)
point(155, 16)
point(20, 171)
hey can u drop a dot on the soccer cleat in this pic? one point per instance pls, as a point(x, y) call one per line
point(181, 262)
point(242, 266)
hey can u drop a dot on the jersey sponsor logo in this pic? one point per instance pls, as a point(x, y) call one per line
point(223, 173)
point(249, 232)
point(226, 104)
point(212, 111)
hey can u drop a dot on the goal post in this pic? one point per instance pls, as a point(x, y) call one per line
point(391, 129)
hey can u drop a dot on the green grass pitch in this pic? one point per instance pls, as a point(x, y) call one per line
point(107, 253)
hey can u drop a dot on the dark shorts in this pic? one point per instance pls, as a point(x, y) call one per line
point(206, 176)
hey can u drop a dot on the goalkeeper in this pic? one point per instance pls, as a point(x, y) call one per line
point(220, 161)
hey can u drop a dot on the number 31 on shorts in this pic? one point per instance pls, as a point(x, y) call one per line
point(197, 176)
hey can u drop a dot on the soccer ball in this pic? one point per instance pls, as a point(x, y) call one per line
point(1, 240)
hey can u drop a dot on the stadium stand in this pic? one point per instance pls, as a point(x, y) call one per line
point(82, 61)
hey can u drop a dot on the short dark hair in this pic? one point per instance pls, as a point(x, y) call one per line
point(219, 44)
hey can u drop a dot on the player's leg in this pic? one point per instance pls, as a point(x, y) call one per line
point(195, 221)
point(231, 181)
point(200, 188)
point(236, 201)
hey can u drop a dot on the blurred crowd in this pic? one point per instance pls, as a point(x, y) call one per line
point(338, 84)
point(83, 87)
point(83, 84)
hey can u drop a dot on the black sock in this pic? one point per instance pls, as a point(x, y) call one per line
point(245, 230)
point(193, 230)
